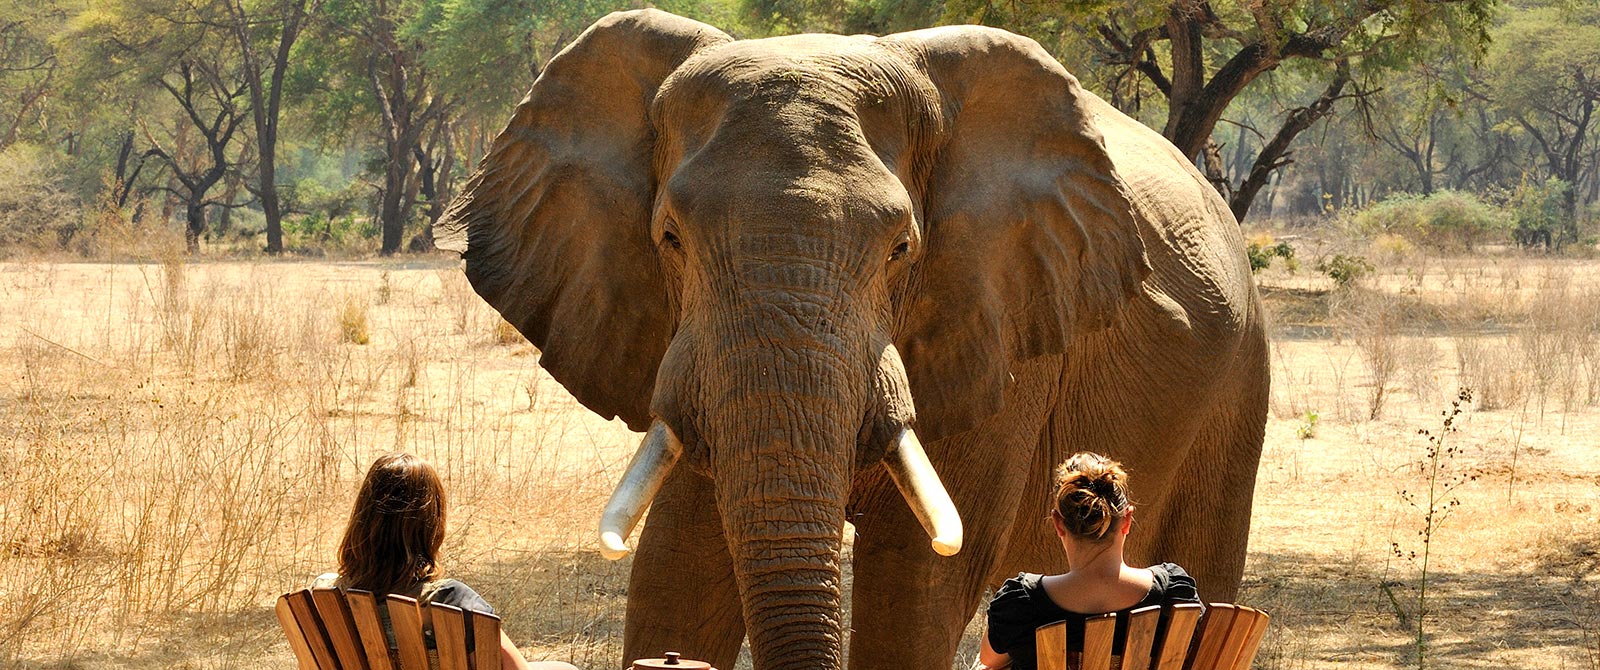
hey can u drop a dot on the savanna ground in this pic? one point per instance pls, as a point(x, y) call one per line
point(180, 442)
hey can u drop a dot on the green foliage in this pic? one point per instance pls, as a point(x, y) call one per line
point(1545, 58)
point(1446, 220)
point(29, 66)
point(1308, 426)
point(1539, 209)
point(1261, 255)
point(1345, 270)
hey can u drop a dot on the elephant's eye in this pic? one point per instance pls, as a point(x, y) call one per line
point(671, 239)
point(900, 250)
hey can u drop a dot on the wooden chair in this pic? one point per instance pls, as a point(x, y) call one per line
point(338, 629)
point(1174, 638)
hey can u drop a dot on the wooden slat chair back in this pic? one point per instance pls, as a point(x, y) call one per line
point(1172, 638)
point(338, 629)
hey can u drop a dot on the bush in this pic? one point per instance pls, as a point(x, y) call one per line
point(1539, 212)
point(1391, 248)
point(353, 321)
point(1446, 220)
point(1344, 270)
point(1261, 251)
point(36, 211)
point(331, 222)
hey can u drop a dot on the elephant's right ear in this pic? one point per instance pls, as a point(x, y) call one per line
point(554, 225)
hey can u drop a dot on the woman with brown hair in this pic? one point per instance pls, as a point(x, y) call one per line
point(391, 546)
point(1092, 517)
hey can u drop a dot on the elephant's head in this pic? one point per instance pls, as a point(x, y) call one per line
point(779, 255)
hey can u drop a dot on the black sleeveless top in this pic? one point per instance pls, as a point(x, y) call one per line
point(1021, 606)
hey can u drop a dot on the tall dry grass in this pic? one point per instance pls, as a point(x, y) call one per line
point(180, 443)
point(1547, 358)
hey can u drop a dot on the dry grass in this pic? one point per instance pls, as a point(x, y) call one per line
point(507, 334)
point(353, 321)
point(180, 443)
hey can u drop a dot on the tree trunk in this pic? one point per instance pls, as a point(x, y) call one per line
point(269, 200)
point(265, 101)
point(391, 209)
point(1275, 153)
point(194, 224)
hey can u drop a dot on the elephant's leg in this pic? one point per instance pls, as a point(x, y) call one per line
point(1187, 426)
point(910, 606)
point(681, 595)
point(1206, 525)
point(1034, 546)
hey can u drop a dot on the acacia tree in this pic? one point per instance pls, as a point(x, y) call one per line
point(378, 47)
point(1545, 72)
point(1198, 56)
point(213, 106)
point(426, 71)
point(178, 50)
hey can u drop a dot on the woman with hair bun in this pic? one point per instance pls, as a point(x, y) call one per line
point(1092, 516)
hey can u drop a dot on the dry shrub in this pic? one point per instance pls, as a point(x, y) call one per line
point(385, 291)
point(410, 363)
point(353, 321)
point(1555, 343)
point(1588, 346)
point(148, 497)
point(458, 296)
point(1391, 250)
point(1493, 369)
point(250, 339)
point(1418, 359)
point(185, 321)
point(507, 334)
point(1372, 320)
point(1288, 393)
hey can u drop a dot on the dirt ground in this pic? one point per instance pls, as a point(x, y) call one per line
point(180, 442)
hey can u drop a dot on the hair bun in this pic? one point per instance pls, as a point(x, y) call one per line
point(1091, 494)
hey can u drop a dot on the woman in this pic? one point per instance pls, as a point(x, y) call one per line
point(392, 546)
point(1092, 517)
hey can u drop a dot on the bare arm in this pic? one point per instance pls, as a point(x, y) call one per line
point(989, 659)
point(510, 657)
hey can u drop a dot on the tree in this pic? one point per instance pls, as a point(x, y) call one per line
point(266, 33)
point(1199, 56)
point(1545, 72)
point(427, 69)
point(179, 50)
point(379, 46)
point(28, 62)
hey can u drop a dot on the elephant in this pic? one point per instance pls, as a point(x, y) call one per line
point(873, 282)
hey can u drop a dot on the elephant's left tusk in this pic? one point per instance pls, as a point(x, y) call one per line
point(914, 476)
point(648, 470)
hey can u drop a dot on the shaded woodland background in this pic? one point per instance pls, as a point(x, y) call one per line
point(315, 126)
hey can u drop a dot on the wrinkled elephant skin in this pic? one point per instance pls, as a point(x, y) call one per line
point(808, 263)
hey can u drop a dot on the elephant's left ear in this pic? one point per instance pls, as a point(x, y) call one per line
point(1031, 236)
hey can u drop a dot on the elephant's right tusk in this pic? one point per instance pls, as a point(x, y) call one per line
point(648, 470)
point(913, 474)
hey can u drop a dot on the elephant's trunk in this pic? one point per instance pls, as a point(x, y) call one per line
point(783, 444)
point(786, 559)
